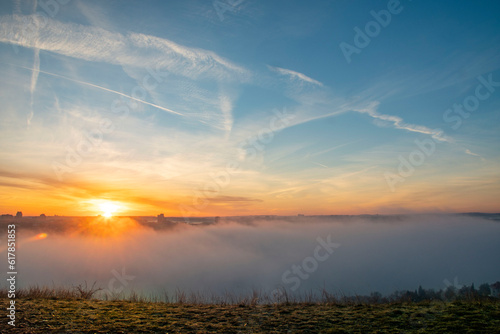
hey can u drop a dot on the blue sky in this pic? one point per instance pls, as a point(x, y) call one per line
point(144, 104)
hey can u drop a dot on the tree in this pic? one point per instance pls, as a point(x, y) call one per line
point(421, 293)
point(375, 297)
point(484, 290)
point(449, 293)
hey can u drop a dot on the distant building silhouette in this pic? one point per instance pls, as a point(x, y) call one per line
point(43, 216)
point(161, 218)
point(216, 219)
point(19, 214)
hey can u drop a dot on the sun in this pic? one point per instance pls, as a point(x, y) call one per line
point(108, 209)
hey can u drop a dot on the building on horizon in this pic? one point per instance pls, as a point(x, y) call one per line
point(161, 218)
point(19, 214)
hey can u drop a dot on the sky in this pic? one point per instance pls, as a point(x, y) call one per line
point(242, 107)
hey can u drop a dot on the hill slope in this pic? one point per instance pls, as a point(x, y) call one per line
point(93, 316)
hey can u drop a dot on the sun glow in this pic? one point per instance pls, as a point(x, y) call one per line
point(104, 208)
point(108, 209)
point(108, 222)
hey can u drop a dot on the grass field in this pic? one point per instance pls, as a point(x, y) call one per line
point(54, 315)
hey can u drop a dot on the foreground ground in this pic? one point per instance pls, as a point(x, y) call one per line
point(92, 316)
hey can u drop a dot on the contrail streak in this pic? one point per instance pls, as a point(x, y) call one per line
point(34, 79)
point(99, 87)
point(317, 163)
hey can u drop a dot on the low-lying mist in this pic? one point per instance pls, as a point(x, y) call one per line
point(351, 255)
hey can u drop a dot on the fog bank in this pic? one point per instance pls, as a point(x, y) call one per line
point(350, 256)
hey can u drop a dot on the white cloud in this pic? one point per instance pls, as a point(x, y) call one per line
point(295, 75)
point(398, 123)
point(132, 49)
point(469, 152)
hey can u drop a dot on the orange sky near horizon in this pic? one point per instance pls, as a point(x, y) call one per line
point(324, 200)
